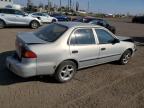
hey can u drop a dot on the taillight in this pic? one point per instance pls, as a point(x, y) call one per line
point(28, 54)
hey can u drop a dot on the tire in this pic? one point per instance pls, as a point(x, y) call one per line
point(2, 24)
point(34, 24)
point(65, 71)
point(125, 57)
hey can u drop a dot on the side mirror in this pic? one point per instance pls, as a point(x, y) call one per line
point(116, 41)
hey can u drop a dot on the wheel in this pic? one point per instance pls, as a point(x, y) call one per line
point(125, 57)
point(2, 24)
point(65, 71)
point(34, 24)
point(53, 20)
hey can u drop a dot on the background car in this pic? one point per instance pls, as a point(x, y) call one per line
point(138, 19)
point(13, 17)
point(44, 17)
point(97, 21)
point(60, 17)
point(60, 49)
point(103, 23)
point(84, 19)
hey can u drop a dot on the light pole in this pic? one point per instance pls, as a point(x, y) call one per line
point(70, 4)
point(49, 5)
point(88, 5)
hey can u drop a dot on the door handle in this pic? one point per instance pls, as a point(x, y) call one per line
point(74, 51)
point(102, 49)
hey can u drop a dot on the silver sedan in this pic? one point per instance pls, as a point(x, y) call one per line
point(62, 48)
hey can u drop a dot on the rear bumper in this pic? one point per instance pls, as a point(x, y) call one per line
point(21, 69)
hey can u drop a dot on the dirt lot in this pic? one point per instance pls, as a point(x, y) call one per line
point(105, 86)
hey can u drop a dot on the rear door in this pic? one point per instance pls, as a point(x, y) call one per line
point(83, 47)
point(109, 51)
point(8, 15)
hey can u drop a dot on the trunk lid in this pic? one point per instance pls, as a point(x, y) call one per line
point(29, 38)
point(24, 39)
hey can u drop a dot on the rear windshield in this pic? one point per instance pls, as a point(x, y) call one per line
point(51, 32)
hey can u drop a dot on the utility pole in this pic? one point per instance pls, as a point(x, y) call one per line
point(77, 6)
point(88, 5)
point(60, 3)
point(49, 5)
point(29, 3)
point(60, 7)
point(70, 4)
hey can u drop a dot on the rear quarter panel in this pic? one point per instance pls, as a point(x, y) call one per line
point(50, 55)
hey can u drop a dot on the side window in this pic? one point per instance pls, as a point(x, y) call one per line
point(104, 37)
point(17, 12)
point(34, 14)
point(7, 11)
point(83, 36)
point(100, 22)
point(38, 14)
point(94, 22)
point(105, 23)
point(42, 14)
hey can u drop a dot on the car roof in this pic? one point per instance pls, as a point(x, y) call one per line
point(77, 24)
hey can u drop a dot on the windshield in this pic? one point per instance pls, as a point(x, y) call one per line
point(51, 32)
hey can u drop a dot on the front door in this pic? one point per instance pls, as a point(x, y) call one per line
point(83, 47)
point(20, 18)
point(109, 50)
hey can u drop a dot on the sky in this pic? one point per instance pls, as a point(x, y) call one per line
point(102, 6)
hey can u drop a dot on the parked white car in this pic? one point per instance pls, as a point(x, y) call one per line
point(13, 17)
point(44, 17)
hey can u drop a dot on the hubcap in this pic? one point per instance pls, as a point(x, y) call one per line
point(67, 72)
point(34, 25)
point(126, 58)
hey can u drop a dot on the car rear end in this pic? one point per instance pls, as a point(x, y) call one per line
point(23, 61)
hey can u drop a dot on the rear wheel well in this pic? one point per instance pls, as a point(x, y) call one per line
point(53, 20)
point(72, 61)
point(130, 50)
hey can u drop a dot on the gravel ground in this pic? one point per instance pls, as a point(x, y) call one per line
point(104, 86)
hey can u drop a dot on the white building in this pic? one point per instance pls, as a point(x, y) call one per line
point(9, 4)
